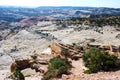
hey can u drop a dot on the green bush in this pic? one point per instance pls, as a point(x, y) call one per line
point(17, 75)
point(57, 67)
point(96, 60)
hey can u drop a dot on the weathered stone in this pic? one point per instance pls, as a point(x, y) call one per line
point(62, 50)
point(28, 72)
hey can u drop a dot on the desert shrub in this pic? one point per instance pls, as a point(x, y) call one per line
point(17, 75)
point(96, 60)
point(57, 67)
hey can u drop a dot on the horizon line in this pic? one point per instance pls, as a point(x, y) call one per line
point(54, 6)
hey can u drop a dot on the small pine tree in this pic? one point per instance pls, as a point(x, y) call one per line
point(96, 60)
point(57, 67)
point(17, 75)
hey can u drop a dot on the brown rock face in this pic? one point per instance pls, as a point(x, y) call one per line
point(20, 64)
point(57, 49)
point(13, 67)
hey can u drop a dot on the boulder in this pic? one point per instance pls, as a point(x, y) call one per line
point(28, 72)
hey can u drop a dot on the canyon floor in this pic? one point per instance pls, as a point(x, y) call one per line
point(37, 38)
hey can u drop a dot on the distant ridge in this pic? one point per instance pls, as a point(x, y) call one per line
point(17, 13)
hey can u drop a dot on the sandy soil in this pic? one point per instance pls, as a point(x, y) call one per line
point(77, 73)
